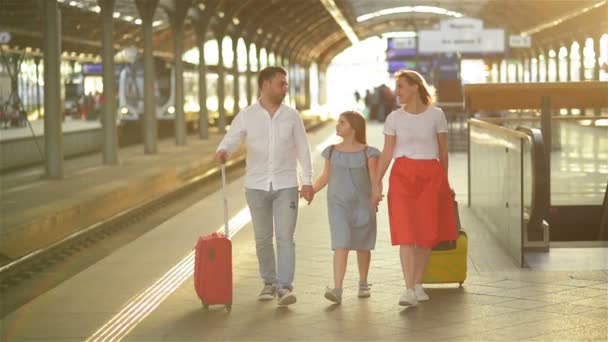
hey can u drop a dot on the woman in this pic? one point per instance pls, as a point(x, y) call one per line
point(419, 197)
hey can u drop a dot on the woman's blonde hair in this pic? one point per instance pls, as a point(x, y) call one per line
point(356, 120)
point(426, 91)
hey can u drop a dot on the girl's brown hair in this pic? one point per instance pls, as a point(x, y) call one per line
point(356, 120)
point(425, 91)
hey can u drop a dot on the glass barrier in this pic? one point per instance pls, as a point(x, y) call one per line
point(579, 149)
point(497, 180)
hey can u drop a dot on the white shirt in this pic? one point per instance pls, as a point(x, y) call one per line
point(416, 133)
point(274, 147)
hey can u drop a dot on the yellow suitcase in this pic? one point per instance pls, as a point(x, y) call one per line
point(448, 266)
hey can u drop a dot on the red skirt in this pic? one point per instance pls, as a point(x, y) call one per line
point(420, 203)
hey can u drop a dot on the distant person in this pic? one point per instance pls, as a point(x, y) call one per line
point(420, 206)
point(357, 96)
point(367, 100)
point(350, 169)
point(276, 142)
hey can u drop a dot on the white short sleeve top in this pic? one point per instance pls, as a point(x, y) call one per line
point(416, 133)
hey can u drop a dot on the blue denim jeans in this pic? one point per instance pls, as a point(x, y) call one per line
point(274, 212)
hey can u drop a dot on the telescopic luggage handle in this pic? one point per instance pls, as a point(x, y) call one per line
point(226, 229)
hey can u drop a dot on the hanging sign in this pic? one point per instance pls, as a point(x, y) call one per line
point(486, 41)
point(463, 35)
point(518, 41)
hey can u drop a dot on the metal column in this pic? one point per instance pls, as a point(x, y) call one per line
point(547, 65)
point(177, 21)
point(568, 63)
point(258, 54)
point(248, 77)
point(558, 73)
point(38, 102)
point(221, 91)
point(307, 101)
point(596, 64)
point(53, 137)
point(581, 53)
point(110, 138)
point(203, 116)
point(146, 10)
point(235, 72)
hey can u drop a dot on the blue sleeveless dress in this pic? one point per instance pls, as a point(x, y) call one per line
point(352, 219)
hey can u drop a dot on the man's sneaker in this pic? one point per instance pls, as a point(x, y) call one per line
point(268, 292)
point(335, 295)
point(408, 298)
point(420, 294)
point(364, 290)
point(286, 297)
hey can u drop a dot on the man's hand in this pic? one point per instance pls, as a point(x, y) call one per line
point(307, 193)
point(221, 156)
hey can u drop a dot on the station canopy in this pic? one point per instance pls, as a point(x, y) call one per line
point(305, 31)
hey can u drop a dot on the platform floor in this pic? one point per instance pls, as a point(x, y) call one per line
point(36, 127)
point(144, 292)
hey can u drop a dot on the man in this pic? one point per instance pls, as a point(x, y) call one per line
point(276, 141)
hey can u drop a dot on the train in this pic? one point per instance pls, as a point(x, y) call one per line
point(130, 92)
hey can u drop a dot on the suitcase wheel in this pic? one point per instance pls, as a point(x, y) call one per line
point(460, 284)
point(228, 307)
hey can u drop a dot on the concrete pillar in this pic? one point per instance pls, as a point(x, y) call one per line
point(146, 10)
point(177, 21)
point(221, 91)
point(248, 75)
point(110, 138)
point(236, 93)
point(53, 137)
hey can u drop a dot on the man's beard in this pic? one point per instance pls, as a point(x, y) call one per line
point(278, 99)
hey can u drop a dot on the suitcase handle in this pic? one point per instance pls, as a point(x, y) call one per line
point(226, 229)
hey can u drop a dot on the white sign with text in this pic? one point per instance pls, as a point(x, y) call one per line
point(465, 41)
point(469, 24)
point(518, 41)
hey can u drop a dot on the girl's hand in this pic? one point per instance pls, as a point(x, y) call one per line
point(377, 194)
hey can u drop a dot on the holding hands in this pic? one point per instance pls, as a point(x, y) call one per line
point(377, 195)
point(307, 193)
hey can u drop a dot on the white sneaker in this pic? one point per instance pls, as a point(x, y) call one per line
point(408, 298)
point(268, 292)
point(420, 294)
point(286, 297)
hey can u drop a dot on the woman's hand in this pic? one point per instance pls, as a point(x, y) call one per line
point(376, 194)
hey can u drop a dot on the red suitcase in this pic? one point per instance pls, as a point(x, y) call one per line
point(213, 263)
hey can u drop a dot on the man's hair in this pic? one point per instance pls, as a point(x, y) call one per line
point(268, 73)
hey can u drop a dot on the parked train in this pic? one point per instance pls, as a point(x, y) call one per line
point(130, 92)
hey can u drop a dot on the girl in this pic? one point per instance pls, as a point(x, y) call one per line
point(350, 168)
point(420, 206)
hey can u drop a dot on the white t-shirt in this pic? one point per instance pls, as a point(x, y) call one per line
point(416, 133)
